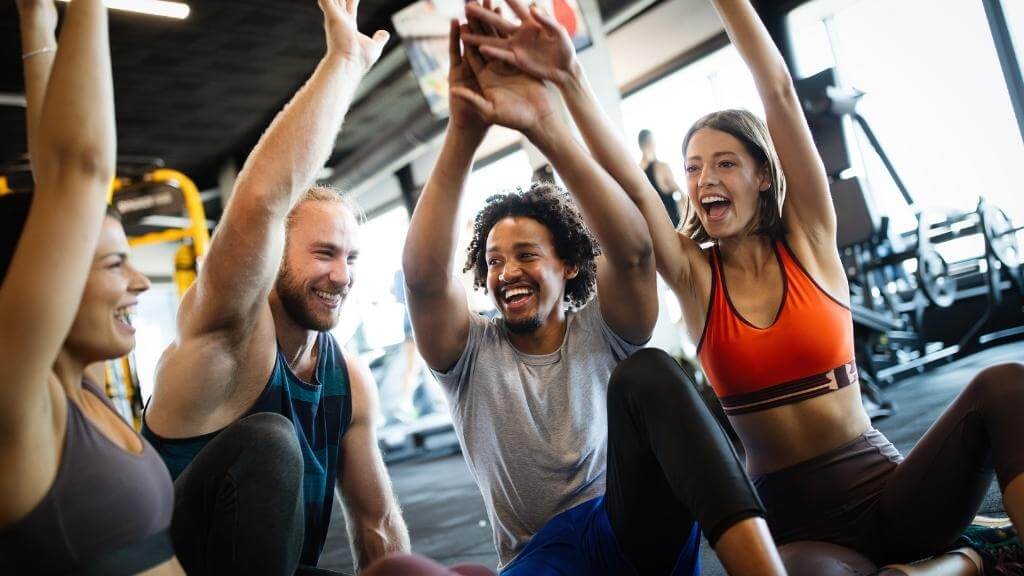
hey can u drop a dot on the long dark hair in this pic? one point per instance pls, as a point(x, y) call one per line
point(14, 209)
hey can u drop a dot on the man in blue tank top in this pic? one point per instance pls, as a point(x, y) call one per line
point(256, 410)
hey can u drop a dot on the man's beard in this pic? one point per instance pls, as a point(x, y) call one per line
point(527, 326)
point(293, 299)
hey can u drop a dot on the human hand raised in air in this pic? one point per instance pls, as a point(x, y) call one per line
point(503, 94)
point(344, 39)
point(538, 45)
point(462, 115)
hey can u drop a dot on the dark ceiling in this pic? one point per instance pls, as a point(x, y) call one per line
point(200, 91)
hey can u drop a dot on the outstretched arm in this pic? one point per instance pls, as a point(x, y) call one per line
point(626, 274)
point(73, 164)
point(245, 252)
point(808, 207)
point(38, 21)
point(540, 47)
point(437, 302)
point(374, 519)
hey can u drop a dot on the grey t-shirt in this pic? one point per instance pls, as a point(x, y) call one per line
point(534, 428)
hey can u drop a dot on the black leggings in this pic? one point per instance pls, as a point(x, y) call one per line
point(669, 463)
point(238, 505)
point(862, 496)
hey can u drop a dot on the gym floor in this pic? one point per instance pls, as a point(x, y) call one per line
point(445, 513)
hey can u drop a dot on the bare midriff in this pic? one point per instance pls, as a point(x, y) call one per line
point(786, 435)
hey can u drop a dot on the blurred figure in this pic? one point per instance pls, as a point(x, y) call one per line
point(660, 176)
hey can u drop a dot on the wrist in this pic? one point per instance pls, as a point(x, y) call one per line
point(337, 60)
point(546, 134)
point(573, 78)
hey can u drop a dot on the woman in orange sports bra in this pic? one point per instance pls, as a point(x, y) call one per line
point(769, 305)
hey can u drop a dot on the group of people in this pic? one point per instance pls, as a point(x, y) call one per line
point(593, 454)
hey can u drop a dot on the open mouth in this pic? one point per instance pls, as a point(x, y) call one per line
point(123, 317)
point(329, 299)
point(517, 297)
point(715, 206)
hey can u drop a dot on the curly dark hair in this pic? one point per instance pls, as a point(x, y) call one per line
point(551, 206)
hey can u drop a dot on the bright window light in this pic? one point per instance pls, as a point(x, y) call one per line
point(175, 10)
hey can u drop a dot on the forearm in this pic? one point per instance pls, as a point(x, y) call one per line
point(76, 125)
point(751, 39)
point(372, 541)
point(433, 231)
point(601, 137)
point(36, 34)
point(298, 142)
point(610, 214)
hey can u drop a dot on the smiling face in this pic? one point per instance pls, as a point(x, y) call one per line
point(102, 328)
point(317, 270)
point(724, 183)
point(525, 276)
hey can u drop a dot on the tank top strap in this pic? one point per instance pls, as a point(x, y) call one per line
point(714, 297)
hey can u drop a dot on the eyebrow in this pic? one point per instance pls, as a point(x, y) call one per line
point(716, 155)
point(518, 245)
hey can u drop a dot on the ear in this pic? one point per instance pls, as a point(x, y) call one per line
point(765, 178)
point(571, 272)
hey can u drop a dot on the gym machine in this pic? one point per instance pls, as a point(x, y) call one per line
point(902, 287)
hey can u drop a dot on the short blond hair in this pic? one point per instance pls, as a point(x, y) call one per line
point(323, 193)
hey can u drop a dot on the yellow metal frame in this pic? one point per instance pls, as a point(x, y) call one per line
point(193, 206)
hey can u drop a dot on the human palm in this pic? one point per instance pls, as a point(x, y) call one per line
point(344, 38)
point(538, 45)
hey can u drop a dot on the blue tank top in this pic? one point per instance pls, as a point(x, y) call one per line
point(320, 411)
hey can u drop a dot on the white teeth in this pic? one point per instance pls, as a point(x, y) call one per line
point(513, 292)
point(124, 314)
point(327, 295)
point(712, 199)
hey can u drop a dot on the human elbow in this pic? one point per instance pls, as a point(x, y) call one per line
point(82, 163)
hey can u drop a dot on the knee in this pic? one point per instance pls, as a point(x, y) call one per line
point(270, 441)
point(650, 375)
point(999, 385)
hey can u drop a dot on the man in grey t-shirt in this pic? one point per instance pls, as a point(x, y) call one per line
point(585, 468)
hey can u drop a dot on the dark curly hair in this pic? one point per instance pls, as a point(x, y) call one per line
point(551, 206)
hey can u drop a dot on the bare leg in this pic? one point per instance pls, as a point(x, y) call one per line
point(747, 548)
point(1013, 501)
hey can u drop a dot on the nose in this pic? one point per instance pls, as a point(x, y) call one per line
point(510, 272)
point(708, 177)
point(341, 273)
point(138, 282)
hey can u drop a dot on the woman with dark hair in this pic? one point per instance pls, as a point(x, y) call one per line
point(83, 492)
point(768, 303)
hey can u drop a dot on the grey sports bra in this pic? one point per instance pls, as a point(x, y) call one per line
point(107, 512)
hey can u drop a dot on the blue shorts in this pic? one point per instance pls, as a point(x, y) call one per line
point(580, 542)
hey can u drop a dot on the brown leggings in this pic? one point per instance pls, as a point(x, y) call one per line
point(866, 497)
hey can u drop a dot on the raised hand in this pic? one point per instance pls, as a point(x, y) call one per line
point(539, 45)
point(344, 39)
point(463, 115)
point(505, 95)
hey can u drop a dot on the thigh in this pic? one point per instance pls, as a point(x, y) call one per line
point(935, 492)
point(650, 523)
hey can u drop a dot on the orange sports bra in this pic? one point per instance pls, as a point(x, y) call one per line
point(806, 352)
